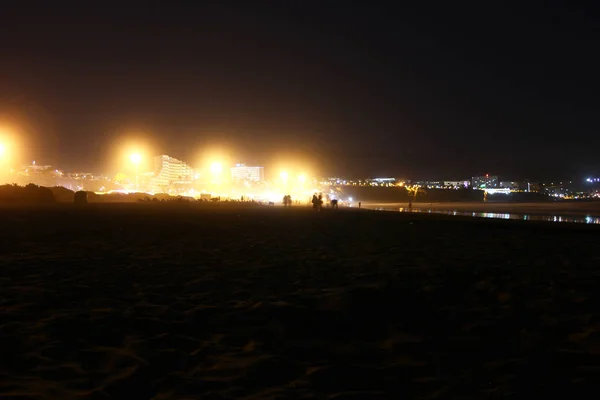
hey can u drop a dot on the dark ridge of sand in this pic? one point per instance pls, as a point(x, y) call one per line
point(127, 302)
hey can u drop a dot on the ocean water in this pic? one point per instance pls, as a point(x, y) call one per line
point(577, 219)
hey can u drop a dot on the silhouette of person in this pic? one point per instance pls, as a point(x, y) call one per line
point(315, 201)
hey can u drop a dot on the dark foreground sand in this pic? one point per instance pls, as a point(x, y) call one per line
point(129, 302)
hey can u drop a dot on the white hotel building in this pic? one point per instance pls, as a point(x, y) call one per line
point(169, 171)
point(242, 172)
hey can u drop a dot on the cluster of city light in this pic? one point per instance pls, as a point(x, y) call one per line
point(132, 166)
point(212, 176)
point(131, 163)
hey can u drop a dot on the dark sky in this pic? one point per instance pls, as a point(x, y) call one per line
point(429, 90)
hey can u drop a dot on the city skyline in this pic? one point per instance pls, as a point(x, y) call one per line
point(501, 180)
point(219, 178)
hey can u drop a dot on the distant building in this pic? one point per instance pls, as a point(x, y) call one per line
point(36, 169)
point(457, 184)
point(79, 175)
point(510, 185)
point(384, 180)
point(558, 191)
point(485, 182)
point(43, 175)
point(242, 172)
point(562, 189)
point(169, 171)
point(532, 186)
point(429, 184)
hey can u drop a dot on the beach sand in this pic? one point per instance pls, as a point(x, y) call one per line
point(136, 301)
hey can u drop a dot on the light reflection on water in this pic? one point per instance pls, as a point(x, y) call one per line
point(524, 217)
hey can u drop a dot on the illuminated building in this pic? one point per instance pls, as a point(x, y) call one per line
point(456, 184)
point(334, 181)
point(42, 175)
point(558, 191)
point(485, 182)
point(561, 189)
point(169, 171)
point(510, 185)
point(35, 169)
point(79, 175)
point(429, 184)
point(242, 172)
point(383, 180)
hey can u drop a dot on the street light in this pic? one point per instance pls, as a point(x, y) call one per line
point(136, 158)
point(11, 146)
point(216, 169)
point(2, 152)
point(3, 157)
point(284, 176)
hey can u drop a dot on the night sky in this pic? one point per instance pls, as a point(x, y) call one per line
point(429, 91)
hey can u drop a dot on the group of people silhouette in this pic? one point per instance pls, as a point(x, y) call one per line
point(317, 201)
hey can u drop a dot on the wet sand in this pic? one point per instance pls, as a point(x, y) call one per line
point(131, 301)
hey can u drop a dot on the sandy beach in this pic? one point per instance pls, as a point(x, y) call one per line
point(159, 301)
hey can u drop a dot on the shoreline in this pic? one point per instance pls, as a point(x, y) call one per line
point(555, 208)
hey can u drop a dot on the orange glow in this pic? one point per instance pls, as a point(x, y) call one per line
point(213, 159)
point(132, 155)
point(212, 170)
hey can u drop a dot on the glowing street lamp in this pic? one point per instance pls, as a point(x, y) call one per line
point(136, 158)
point(284, 176)
point(216, 169)
point(10, 148)
point(4, 156)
